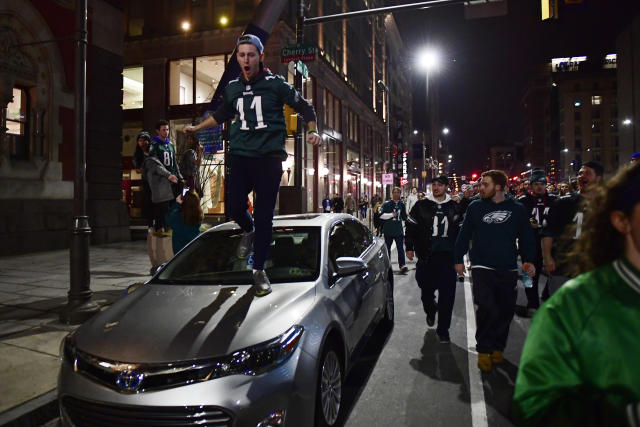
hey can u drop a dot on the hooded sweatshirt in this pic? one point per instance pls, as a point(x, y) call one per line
point(158, 178)
point(494, 229)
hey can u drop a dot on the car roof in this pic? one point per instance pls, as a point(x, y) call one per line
point(296, 220)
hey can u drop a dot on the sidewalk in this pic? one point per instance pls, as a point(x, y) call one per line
point(33, 289)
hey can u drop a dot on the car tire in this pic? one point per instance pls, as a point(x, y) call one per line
point(389, 304)
point(329, 390)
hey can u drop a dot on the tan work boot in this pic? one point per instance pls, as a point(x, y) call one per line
point(496, 357)
point(484, 362)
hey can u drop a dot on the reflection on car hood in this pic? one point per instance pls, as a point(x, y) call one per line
point(165, 323)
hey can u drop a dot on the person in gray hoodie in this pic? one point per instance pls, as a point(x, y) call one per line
point(159, 179)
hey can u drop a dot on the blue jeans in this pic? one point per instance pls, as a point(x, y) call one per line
point(399, 246)
point(263, 176)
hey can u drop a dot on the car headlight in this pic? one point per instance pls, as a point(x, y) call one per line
point(262, 357)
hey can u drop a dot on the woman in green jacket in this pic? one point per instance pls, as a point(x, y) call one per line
point(581, 360)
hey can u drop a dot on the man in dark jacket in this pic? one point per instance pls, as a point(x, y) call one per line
point(494, 223)
point(537, 203)
point(338, 203)
point(432, 227)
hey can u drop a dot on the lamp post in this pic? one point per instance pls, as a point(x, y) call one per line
point(428, 61)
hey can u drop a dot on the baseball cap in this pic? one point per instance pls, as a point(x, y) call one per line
point(251, 39)
point(441, 178)
point(144, 134)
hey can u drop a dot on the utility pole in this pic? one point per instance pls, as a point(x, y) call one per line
point(79, 305)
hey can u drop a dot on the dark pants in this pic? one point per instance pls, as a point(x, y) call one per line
point(399, 246)
point(438, 273)
point(159, 212)
point(533, 296)
point(261, 175)
point(494, 293)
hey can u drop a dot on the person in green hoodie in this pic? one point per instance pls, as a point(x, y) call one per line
point(185, 219)
point(580, 362)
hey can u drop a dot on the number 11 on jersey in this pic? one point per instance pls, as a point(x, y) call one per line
point(256, 105)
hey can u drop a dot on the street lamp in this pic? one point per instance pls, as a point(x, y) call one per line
point(626, 121)
point(428, 60)
point(445, 131)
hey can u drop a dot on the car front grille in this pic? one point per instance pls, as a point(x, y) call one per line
point(85, 413)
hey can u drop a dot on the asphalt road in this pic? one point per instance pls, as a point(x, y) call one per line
point(406, 377)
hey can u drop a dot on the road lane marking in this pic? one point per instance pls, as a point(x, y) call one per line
point(476, 388)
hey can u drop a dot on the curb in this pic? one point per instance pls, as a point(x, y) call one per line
point(32, 413)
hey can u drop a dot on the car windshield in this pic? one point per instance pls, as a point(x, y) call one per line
point(294, 256)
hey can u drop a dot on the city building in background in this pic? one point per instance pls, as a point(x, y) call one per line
point(37, 104)
point(572, 115)
point(628, 66)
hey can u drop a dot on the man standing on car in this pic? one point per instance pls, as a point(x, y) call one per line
point(257, 147)
point(564, 225)
point(432, 227)
point(537, 203)
point(392, 213)
point(494, 223)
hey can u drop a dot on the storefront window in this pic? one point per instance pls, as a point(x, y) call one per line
point(132, 88)
point(181, 82)
point(209, 70)
point(17, 125)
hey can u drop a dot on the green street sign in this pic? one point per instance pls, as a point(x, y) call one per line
point(299, 67)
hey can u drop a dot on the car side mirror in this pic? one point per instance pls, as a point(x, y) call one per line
point(347, 266)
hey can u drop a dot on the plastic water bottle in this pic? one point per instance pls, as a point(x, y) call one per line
point(527, 281)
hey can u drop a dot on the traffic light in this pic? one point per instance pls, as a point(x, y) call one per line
point(291, 120)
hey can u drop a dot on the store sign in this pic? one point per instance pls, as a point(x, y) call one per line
point(387, 179)
point(567, 64)
point(298, 52)
point(405, 172)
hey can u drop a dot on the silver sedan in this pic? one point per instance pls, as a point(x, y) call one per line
point(194, 346)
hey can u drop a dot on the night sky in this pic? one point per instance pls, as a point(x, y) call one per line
point(487, 63)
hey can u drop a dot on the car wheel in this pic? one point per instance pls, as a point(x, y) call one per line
point(329, 389)
point(389, 307)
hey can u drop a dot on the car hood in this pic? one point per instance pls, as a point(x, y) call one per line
point(168, 323)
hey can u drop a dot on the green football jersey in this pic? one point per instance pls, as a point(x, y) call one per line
point(166, 153)
point(258, 128)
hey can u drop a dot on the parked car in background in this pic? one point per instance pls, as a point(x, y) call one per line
point(194, 346)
